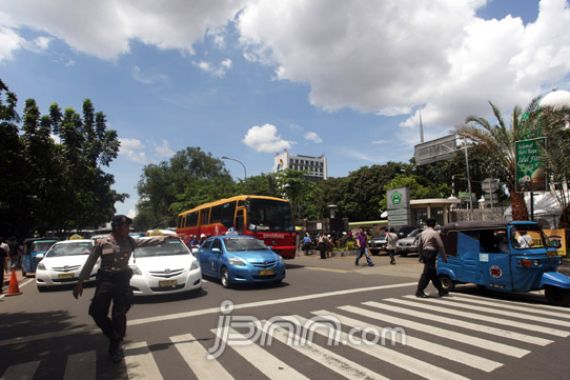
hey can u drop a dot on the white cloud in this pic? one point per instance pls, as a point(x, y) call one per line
point(133, 150)
point(266, 139)
point(393, 57)
point(314, 137)
point(164, 150)
point(133, 212)
point(218, 71)
point(10, 41)
point(146, 78)
point(105, 28)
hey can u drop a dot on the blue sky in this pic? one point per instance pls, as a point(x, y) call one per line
point(247, 78)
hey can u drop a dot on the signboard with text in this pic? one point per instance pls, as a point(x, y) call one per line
point(436, 150)
point(398, 206)
point(530, 169)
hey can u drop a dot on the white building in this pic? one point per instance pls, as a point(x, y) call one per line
point(315, 167)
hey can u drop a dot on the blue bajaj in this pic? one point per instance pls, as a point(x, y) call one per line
point(507, 257)
point(34, 251)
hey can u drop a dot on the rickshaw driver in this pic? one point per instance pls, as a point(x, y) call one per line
point(429, 246)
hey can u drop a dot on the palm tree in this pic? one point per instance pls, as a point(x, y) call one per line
point(499, 141)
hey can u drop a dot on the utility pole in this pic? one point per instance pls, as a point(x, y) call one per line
point(468, 179)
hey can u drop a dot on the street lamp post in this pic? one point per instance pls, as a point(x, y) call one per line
point(233, 159)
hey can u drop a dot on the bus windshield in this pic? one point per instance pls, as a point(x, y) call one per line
point(269, 215)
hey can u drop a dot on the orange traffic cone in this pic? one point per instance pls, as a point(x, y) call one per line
point(13, 288)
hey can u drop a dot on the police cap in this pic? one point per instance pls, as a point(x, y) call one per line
point(121, 219)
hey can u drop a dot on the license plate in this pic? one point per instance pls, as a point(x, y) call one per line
point(65, 275)
point(167, 284)
point(266, 272)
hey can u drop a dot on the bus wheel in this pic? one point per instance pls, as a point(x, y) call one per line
point(446, 283)
point(225, 278)
point(557, 296)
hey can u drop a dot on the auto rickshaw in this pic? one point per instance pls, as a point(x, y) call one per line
point(34, 251)
point(506, 257)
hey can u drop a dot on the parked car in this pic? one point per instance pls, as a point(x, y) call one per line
point(377, 244)
point(62, 263)
point(409, 244)
point(404, 231)
point(166, 268)
point(239, 259)
point(34, 251)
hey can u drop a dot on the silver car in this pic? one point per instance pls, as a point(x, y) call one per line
point(409, 244)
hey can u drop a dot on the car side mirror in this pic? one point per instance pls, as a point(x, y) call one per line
point(217, 250)
point(195, 250)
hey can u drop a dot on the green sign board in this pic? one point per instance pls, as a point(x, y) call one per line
point(396, 198)
point(530, 170)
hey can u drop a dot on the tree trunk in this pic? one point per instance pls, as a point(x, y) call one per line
point(518, 205)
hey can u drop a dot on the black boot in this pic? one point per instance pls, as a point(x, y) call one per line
point(116, 351)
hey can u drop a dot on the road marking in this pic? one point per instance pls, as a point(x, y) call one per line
point(216, 310)
point(195, 355)
point(46, 336)
point(81, 366)
point(436, 349)
point(513, 307)
point(444, 333)
point(453, 303)
point(26, 282)
point(22, 371)
point(265, 362)
point(429, 304)
point(337, 363)
point(456, 322)
point(139, 362)
point(537, 306)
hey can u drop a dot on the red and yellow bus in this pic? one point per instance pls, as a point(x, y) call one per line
point(266, 218)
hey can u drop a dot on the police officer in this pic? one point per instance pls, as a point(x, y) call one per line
point(429, 246)
point(112, 281)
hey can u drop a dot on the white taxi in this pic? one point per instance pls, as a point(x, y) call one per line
point(63, 262)
point(166, 268)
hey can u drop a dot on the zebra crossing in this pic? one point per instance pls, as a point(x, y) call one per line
point(458, 337)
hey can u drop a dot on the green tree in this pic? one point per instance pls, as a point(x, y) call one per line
point(499, 142)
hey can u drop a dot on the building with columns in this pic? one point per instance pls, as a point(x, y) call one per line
point(315, 167)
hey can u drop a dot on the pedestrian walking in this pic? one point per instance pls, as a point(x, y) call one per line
point(322, 245)
point(362, 243)
point(391, 244)
point(430, 246)
point(113, 281)
point(4, 254)
point(307, 242)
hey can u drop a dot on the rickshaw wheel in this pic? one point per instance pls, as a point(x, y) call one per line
point(557, 296)
point(446, 283)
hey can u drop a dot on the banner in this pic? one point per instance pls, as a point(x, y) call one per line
point(560, 235)
point(530, 171)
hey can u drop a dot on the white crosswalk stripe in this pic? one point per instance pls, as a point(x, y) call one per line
point(23, 371)
point(337, 363)
point(444, 333)
point(512, 307)
point(455, 322)
point(509, 302)
point(265, 362)
point(458, 356)
point(196, 356)
point(140, 362)
point(457, 303)
point(428, 303)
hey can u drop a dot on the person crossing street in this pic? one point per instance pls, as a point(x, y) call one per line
point(430, 246)
point(113, 281)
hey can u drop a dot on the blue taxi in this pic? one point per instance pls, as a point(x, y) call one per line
point(240, 259)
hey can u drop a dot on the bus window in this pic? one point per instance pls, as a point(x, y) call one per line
point(192, 219)
point(216, 214)
point(228, 214)
point(181, 221)
point(204, 216)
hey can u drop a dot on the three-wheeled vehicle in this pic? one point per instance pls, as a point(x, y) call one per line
point(507, 257)
point(34, 251)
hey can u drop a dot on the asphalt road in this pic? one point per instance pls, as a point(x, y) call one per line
point(471, 334)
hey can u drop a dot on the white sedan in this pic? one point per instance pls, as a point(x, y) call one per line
point(62, 263)
point(163, 269)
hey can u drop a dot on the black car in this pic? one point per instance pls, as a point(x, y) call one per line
point(377, 244)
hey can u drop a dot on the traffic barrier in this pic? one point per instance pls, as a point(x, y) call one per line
point(13, 288)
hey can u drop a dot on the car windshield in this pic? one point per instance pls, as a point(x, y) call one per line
point(236, 244)
point(528, 236)
point(269, 215)
point(42, 246)
point(168, 248)
point(414, 233)
point(70, 249)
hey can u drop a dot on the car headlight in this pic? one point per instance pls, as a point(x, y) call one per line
point(280, 259)
point(135, 270)
point(237, 262)
point(195, 265)
point(41, 266)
